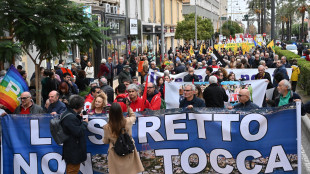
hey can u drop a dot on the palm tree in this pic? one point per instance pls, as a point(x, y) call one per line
point(302, 8)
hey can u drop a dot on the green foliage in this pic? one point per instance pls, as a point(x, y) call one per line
point(8, 49)
point(50, 26)
point(231, 28)
point(304, 66)
point(186, 28)
point(306, 44)
point(288, 54)
point(84, 93)
point(296, 28)
point(303, 79)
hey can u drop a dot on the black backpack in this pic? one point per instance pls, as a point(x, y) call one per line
point(124, 144)
point(56, 129)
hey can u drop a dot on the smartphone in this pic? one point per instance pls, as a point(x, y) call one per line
point(85, 116)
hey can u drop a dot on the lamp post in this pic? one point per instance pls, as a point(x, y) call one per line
point(162, 31)
point(195, 24)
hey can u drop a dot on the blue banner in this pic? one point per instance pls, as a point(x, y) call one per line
point(171, 141)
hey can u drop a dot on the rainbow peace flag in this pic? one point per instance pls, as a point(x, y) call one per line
point(11, 87)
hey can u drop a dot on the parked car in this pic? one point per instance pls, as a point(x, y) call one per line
point(292, 48)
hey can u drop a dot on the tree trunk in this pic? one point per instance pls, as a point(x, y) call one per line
point(302, 26)
point(287, 30)
point(282, 37)
point(38, 84)
point(290, 27)
point(258, 24)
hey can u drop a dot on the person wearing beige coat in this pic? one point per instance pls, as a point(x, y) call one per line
point(131, 163)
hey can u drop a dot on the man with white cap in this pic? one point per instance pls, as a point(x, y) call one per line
point(103, 70)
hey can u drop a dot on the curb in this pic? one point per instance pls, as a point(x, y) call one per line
point(306, 125)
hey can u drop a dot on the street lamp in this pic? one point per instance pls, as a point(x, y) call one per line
point(195, 25)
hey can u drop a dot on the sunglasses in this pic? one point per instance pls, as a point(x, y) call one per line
point(24, 98)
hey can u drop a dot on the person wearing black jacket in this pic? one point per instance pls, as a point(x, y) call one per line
point(190, 100)
point(209, 71)
point(263, 75)
point(190, 77)
point(74, 148)
point(214, 95)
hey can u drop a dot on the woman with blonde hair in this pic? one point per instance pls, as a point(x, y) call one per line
point(130, 163)
point(98, 104)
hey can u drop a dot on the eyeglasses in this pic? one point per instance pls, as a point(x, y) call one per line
point(149, 87)
point(239, 95)
point(24, 98)
point(187, 90)
point(98, 92)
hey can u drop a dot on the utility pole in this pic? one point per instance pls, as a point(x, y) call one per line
point(272, 19)
point(162, 51)
point(195, 24)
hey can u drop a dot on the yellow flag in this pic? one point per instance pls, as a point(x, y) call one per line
point(235, 48)
point(216, 46)
point(191, 51)
point(271, 45)
point(201, 49)
point(244, 47)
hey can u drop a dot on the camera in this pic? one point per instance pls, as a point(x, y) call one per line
point(84, 113)
point(124, 100)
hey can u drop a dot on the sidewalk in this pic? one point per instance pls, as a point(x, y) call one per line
point(303, 96)
point(305, 120)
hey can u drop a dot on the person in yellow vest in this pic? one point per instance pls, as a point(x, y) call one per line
point(295, 73)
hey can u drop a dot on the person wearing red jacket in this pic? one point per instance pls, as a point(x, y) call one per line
point(137, 103)
point(104, 70)
point(121, 96)
point(90, 97)
point(153, 96)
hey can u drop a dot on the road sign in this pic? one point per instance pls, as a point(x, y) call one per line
point(223, 18)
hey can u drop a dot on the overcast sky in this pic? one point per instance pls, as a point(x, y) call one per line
point(240, 8)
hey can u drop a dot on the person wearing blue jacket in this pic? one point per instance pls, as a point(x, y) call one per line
point(56, 106)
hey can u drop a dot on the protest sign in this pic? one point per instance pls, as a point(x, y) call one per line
point(171, 141)
point(232, 88)
point(246, 74)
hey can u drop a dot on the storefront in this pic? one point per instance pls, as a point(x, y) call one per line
point(117, 46)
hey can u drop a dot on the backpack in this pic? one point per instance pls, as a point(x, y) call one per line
point(162, 104)
point(56, 129)
point(124, 144)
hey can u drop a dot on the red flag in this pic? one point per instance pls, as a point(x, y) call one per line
point(145, 92)
point(66, 70)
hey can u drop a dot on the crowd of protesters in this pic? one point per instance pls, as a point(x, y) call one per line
point(60, 83)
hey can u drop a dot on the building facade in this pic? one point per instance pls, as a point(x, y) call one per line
point(211, 9)
point(134, 27)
